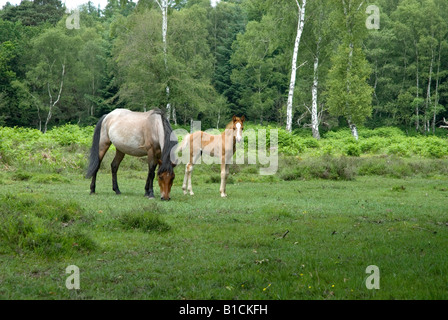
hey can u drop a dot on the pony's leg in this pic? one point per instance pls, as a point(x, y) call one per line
point(103, 147)
point(152, 164)
point(149, 191)
point(114, 166)
point(224, 174)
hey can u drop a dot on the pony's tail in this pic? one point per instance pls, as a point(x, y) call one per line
point(94, 162)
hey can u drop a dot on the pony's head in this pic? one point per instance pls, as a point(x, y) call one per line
point(238, 127)
point(165, 174)
point(165, 179)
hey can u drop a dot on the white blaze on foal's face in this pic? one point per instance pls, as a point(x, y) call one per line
point(239, 133)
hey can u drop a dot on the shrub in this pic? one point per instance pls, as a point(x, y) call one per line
point(353, 150)
point(325, 167)
point(398, 149)
point(372, 144)
point(145, 221)
point(373, 166)
point(46, 227)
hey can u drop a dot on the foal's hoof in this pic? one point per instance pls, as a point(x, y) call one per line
point(223, 195)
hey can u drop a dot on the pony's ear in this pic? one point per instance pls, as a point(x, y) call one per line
point(243, 118)
point(234, 118)
point(159, 161)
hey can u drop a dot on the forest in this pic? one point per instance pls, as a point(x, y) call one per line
point(202, 62)
point(355, 91)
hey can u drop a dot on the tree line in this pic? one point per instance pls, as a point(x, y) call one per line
point(297, 63)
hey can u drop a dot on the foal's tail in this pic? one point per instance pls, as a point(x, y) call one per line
point(185, 142)
point(94, 162)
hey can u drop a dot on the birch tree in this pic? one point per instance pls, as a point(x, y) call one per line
point(318, 40)
point(53, 51)
point(164, 5)
point(349, 94)
point(292, 83)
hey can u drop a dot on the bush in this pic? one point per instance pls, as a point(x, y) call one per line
point(145, 221)
point(398, 150)
point(353, 150)
point(325, 167)
point(66, 148)
point(47, 227)
point(372, 144)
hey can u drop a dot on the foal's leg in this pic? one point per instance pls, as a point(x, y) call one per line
point(114, 166)
point(184, 184)
point(189, 170)
point(224, 174)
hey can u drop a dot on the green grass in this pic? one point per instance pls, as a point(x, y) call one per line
point(270, 239)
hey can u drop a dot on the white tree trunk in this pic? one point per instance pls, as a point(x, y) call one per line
point(436, 100)
point(174, 115)
point(292, 83)
point(163, 4)
point(52, 104)
point(428, 90)
point(417, 120)
point(354, 131)
point(352, 126)
point(314, 114)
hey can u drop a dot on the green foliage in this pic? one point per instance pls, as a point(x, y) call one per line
point(353, 150)
point(326, 167)
point(349, 93)
point(24, 147)
point(47, 227)
point(145, 221)
point(34, 13)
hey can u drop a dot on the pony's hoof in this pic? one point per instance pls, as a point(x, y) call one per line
point(223, 195)
point(191, 193)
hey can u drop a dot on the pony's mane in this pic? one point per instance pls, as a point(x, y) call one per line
point(166, 165)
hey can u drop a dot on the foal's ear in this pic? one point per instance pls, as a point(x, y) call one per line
point(234, 118)
point(243, 118)
point(159, 161)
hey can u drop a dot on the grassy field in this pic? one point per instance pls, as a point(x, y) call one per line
point(270, 239)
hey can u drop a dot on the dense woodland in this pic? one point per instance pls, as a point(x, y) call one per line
point(234, 58)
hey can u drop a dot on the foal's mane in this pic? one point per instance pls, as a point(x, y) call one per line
point(230, 125)
point(167, 165)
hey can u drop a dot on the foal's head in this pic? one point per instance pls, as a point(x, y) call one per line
point(238, 127)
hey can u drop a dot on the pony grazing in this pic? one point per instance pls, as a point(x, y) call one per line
point(221, 146)
point(137, 134)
